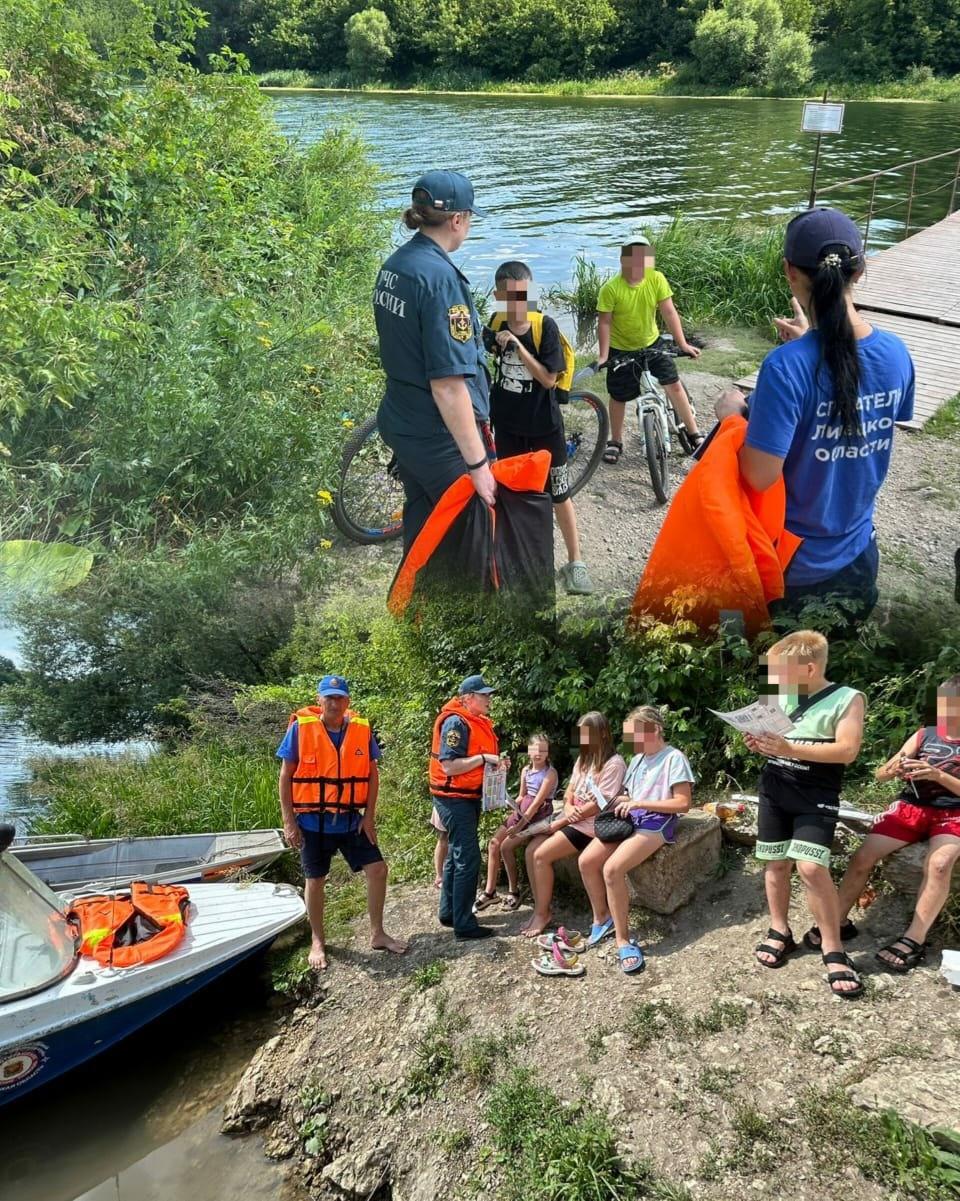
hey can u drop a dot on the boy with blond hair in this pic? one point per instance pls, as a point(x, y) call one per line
point(800, 796)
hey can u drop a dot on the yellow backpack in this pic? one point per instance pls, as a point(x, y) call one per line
point(565, 377)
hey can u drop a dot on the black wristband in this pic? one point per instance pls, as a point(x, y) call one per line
point(474, 466)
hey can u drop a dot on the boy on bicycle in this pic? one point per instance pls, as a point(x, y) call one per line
point(523, 402)
point(627, 311)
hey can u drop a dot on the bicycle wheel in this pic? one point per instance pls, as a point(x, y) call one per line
point(656, 452)
point(368, 507)
point(587, 428)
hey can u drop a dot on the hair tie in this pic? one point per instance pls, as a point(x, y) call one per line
point(831, 260)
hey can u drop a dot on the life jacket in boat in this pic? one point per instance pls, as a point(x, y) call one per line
point(328, 778)
point(131, 928)
point(482, 740)
point(465, 548)
point(722, 545)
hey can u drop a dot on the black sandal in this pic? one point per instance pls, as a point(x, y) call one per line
point(613, 452)
point(847, 931)
point(833, 978)
point(779, 953)
point(909, 959)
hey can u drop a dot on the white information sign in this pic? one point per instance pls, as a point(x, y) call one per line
point(819, 117)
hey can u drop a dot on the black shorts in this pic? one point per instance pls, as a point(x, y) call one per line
point(580, 840)
point(793, 823)
point(623, 384)
point(318, 849)
point(510, 444)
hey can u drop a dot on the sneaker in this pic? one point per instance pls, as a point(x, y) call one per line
point(576, 579)
point(474, 933)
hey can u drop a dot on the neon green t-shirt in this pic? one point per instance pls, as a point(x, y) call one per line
point(634, 309)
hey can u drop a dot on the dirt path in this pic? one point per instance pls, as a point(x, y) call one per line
point(702, 1063)
point(917, 514)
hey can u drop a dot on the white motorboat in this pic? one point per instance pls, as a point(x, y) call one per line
point(58, 1010)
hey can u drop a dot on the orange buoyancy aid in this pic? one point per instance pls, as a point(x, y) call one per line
point(330, 778)
point(132, 928)
point(482, 740)
point(722, 545)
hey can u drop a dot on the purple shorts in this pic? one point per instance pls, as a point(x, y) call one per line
point(664, 824)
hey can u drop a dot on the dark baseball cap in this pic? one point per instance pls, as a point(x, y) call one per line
point(475, 684)
point(333, 686)
point(812, 232)
point(447, 192)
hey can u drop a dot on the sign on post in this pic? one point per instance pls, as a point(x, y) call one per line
point(821, 118)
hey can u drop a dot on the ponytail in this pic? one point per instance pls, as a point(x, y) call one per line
point(418, 216)
point(829, 282)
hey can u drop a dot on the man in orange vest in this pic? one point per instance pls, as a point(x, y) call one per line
point(464, 742)
point(329, 783)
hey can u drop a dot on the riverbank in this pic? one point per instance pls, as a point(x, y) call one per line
point(466, 1075)
point(625, 85)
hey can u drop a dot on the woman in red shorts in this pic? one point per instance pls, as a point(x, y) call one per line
point(927, 810)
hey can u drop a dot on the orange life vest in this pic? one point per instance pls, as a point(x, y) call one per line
point(329, 778)
point(722, 545)
point(132, 928)
point(482, 741)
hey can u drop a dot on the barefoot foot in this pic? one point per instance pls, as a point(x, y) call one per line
point(537, 925)
point(383, 942)
point(317, 959)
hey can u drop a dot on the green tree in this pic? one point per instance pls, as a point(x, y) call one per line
point(724, 47)
point(369, 41)
point(788, 65)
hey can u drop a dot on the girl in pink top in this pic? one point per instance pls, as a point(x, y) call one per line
point(598, 767)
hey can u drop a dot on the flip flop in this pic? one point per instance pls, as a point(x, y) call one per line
point(555, 963)
point(566, 940)
point(630, 951)
point(599, 933)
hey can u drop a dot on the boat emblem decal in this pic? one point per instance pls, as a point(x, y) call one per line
point(18, 1066)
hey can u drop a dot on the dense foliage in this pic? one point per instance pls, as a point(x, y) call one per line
point(186, 327)
point(772, 44)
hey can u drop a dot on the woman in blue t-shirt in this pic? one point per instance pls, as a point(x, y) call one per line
point(822, 416)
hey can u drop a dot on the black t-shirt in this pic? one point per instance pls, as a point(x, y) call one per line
point(518, 404)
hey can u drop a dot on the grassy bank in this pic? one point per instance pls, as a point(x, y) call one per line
point(624, 84)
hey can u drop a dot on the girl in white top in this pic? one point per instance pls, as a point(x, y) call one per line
point(657, 789)
point(598, 766)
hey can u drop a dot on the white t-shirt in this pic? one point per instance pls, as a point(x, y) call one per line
point(652, 777)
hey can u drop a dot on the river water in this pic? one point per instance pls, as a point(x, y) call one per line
point(560, 177)
point(565, 176)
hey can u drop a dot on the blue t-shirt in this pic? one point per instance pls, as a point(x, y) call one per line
point(333, 823)
point(428, 329)
point(831, 481)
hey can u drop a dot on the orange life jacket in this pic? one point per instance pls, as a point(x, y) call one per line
point(482, 741)
point(722, 545)
point(329, 778)
point(132, 928)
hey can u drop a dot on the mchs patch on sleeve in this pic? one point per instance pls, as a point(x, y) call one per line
point(461, 323)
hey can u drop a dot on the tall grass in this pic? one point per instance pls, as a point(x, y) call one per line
point(721, 273)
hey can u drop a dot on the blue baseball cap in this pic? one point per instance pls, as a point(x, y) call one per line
point(475, 684)
point(811, 233)
point(333, 686)
point(447, 192)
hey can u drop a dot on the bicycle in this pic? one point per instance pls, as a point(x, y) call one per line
point(658, 423)
point(368, 505)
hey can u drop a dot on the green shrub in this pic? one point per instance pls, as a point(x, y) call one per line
point(369, 40)
point(788, 65)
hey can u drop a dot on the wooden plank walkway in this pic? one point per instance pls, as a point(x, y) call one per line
point(912, 289)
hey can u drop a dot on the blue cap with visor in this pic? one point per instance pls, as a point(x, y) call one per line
point(446, 192)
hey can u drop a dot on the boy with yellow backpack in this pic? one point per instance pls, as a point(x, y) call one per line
point(534, 371)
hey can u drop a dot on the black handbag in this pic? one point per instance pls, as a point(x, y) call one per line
point(608, 827)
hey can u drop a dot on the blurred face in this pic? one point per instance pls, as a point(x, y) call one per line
point(788, 674)
point(514, 297)
point(634, 262)
point(477, 702)
point(646, 737)
point(585, 736)
point(334, 710)
point(537, 753)
point(948, 714)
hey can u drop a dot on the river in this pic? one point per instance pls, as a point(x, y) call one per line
point(565, 176)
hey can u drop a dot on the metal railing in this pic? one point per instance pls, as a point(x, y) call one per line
point(874, 177)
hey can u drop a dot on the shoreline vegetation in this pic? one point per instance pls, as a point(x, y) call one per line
point(627, 85)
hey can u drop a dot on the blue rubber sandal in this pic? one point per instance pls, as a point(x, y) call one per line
point(630, 951)
point(599, 933)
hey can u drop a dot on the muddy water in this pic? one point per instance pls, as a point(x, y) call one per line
point(141, 1122)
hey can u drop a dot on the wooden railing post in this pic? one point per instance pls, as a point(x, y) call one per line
point(913, 189)
point(873, 197)
point(956, 181)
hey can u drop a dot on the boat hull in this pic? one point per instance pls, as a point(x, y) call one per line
point(40, 1061)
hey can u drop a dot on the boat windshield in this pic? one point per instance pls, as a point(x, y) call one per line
point(37, 945)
